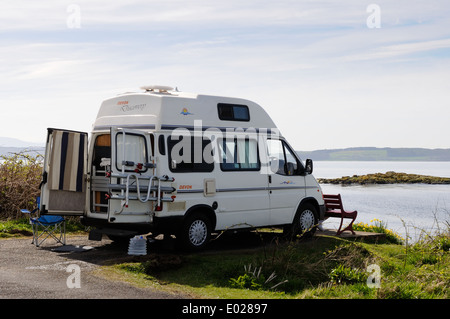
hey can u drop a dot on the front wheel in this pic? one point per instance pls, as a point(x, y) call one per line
point(195, 232)
point(305, 222)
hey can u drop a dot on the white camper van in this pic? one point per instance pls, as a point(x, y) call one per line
point(167, 162)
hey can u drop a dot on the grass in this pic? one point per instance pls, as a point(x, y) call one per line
point(15, 228)
point(320, 267)
point(22, 227)
point(379, 226)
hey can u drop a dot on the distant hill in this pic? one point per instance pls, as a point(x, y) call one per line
point(14, 142)
point(10, 145)
point(378, 154)
point(11, 150)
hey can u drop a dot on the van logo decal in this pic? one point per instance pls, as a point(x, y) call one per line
point(185, 187)
point(185, 111)
point(287, 182)
point(129, 108)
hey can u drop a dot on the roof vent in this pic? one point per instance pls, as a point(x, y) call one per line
point(157, 88)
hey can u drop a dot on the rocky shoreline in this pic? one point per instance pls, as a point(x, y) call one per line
point(386, 178)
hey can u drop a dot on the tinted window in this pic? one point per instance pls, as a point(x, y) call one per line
point(190, 154)
point(233, 112)
point(161, 145)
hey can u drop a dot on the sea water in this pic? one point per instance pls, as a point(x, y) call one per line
point(408, 209)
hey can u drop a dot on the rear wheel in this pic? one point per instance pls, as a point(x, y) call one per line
point(195, 232)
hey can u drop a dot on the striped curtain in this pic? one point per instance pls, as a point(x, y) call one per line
point(67, 161)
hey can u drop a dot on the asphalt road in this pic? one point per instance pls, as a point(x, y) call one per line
point(65, 272)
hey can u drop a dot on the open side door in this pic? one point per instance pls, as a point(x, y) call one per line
point(63, 188)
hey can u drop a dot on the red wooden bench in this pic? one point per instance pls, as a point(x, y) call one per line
point(334, 208)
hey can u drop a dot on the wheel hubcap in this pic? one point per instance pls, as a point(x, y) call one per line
point(198, 232)
point(306, 220)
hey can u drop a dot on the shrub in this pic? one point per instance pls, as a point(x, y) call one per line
point(246, 281)
point(346, 275)
point(20, 176)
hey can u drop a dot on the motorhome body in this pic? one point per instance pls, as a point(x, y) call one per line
point(164, 161)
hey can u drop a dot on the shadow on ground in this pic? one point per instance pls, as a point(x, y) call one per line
point(107, 252)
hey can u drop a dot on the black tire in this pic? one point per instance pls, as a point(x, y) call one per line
point(305, 222)
point(195, 232)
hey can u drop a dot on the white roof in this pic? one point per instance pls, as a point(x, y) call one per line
point(153, 110)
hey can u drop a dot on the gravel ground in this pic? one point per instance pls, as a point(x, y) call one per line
point(48, 271)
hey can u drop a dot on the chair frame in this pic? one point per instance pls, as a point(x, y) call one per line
point(43, 229)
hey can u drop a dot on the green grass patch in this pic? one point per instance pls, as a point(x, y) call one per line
point(320, 267)
point(378, 226)
point(22, 227)
point(15, 228)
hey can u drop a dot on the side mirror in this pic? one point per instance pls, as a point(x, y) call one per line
point(309, 166)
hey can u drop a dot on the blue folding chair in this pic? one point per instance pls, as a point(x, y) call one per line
point(46, 226)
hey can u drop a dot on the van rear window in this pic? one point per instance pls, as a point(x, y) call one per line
point(134, 150)
point(233, 112)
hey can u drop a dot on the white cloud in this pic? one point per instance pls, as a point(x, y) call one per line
point(311, 64)
point(395, 50)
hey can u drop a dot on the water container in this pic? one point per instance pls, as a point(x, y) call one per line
point(137, 246)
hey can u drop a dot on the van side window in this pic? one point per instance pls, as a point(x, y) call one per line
point(190, 154)
point(239, 155)
point(233, 112)
point(161, 145)
point(282, 159)
point(135, 150)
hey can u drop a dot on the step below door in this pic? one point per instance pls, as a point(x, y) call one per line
point(63, 188)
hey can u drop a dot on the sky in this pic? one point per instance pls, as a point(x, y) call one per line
point(331, 74)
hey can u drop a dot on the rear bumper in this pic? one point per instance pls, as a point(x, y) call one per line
point(160, 225)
